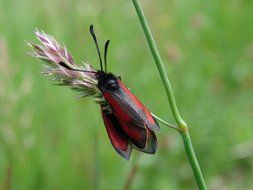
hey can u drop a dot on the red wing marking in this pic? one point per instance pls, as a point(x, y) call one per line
point(117, 138)
point(128, 108)
point(138, 103)
point(136, 134)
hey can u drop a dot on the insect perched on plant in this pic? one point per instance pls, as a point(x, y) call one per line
point(128, 122)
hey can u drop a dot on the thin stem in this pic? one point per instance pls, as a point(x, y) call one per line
point(181, 124)
point(159, 64)
point(97, 160)
point(8, 178)
point(193, 160)
point(164, 122)
point(132, 173)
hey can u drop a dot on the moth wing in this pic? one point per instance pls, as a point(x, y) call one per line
point(128, 108)
point(117, 138)
point(143, 139)
point(151, 143)
point(135, 134)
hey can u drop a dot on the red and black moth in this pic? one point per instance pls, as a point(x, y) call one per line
point(129, 124)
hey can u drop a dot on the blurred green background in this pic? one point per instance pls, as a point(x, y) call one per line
point(51, 140)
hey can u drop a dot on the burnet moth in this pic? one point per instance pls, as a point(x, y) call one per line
point(129, 124)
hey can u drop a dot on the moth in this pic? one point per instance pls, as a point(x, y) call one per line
point(129, 124)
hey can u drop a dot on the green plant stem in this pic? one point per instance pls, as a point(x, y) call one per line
point(96, 160)
point(193, 160)
point(164, 122)
point(159, 64)
point(181, 124)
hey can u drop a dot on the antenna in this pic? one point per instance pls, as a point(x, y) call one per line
point(67, 67)
point(96, 43)
point(105, 53)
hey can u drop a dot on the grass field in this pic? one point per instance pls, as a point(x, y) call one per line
point(51, 140)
